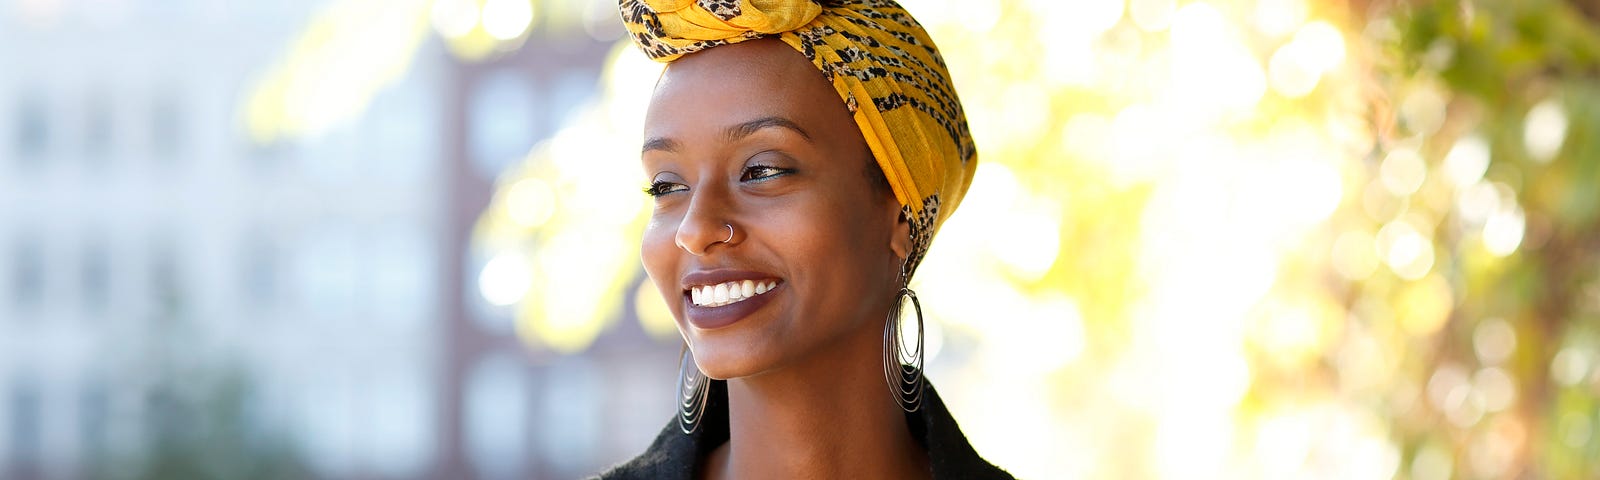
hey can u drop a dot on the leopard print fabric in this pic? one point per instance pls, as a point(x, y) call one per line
point(923, 223)
point(881, 62)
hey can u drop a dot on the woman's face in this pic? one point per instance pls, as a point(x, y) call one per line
point(750, 135)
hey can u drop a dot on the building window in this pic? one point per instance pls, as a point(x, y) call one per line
point(27, 275)
point(94, 406)
point(31, 136)
point(166, 127)
point(572, 89)
point(573, 409)
point(95, 277)
point(502, 120)
point(166, 282)
point(97, 128)
point(399, 429)
point(498, 413)
point(25, 431)
point(400, 267)
point(326, 267)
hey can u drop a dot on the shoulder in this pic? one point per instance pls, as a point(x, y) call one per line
point(674, 455)
point(671, 456)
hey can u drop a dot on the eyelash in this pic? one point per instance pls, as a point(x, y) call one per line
point(746, 177)
point(661, 187)
point(658, 188)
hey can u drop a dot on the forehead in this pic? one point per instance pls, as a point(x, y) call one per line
point(729, 84)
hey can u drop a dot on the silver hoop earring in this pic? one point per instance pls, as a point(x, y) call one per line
point(692, 392)
point(902, 369)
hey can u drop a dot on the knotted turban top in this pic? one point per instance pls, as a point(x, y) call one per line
point(882, 63)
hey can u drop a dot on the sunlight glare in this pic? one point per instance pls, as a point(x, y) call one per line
point(530, 202)
point(1545, 130)
point(505, 279)
point(1467, 161)
point(454, 18)
point(1502, 232)
point(507, 19)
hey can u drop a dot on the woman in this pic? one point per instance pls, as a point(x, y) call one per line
point(801, 156)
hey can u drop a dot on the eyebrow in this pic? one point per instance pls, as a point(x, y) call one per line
point(748, 128)
point(663, 144)
point(733, 133)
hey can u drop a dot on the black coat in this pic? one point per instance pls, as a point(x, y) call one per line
point(675, 455)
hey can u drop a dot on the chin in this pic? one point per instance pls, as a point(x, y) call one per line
point(731, 372)
point(731, 357)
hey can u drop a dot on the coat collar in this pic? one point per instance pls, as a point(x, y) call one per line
point(676, 455)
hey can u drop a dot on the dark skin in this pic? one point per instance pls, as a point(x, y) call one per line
point(751, 135)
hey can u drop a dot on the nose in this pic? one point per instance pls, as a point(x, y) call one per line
point(704, 226)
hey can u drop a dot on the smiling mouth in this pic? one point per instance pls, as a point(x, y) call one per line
point(729, 293)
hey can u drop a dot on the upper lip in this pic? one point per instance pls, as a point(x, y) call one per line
point(714, 277)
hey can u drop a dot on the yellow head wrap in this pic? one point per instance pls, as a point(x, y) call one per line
point(880, 60)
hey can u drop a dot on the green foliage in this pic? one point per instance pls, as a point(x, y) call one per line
point(1497, 61)
point(202, 428)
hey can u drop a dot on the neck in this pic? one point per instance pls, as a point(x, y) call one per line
point(830, 416)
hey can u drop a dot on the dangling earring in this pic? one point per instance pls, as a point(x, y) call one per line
point(902, 369)
point(692, 392)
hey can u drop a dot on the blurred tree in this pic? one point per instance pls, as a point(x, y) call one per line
point(201, 428)
point(1502, 99)
point(200, 421)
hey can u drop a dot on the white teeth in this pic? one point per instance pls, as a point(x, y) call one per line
point(728, 293)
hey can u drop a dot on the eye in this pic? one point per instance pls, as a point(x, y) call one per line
point(659, 188)
point(759, 173)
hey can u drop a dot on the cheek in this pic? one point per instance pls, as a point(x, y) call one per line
point(658, 252)
point(837, 242)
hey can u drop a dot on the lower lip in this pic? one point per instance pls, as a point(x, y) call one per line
point(706, 318)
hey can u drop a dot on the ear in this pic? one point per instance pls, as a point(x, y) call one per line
point(900, 241)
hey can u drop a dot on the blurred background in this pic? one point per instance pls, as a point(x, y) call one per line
point(399, 239)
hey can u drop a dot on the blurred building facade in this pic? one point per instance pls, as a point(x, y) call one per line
point(152, 253)
point(151, 246)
